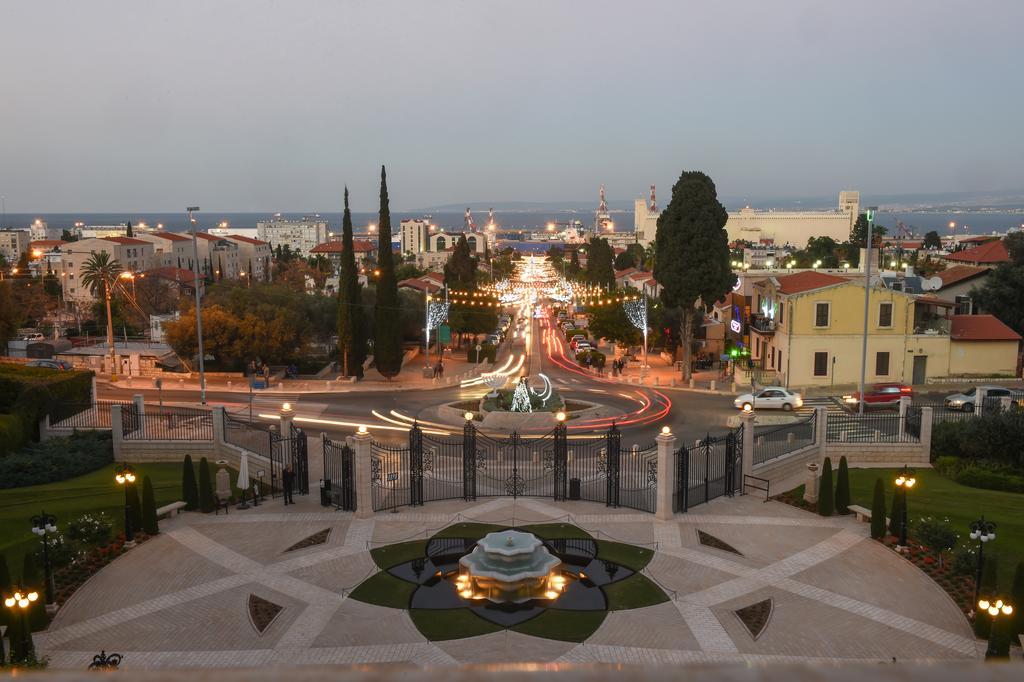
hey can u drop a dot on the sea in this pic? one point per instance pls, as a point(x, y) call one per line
point(511, 225)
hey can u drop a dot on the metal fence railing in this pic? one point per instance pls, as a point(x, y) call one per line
point(775, 442)
point(168, 423)
point(251, 436)
point(95, 415)
point(870, 428)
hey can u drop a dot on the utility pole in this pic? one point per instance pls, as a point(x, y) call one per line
point(199, 310)
point(867, 305)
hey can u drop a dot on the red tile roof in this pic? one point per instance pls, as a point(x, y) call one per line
point(172, 273)
point(246, 240)
point(126, 241)
point(45, 244)
point(208, 237)
point(989, 252)
point(981, 328)
point(172, 236)
point(808, 280)
point(419, 284)
point(959, 273)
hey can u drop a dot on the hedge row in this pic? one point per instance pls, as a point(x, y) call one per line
point(29, 393)
point(57, 459)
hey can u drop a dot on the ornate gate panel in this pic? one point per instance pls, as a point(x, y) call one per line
point(588, 466)
point(339, 474)
point(290, 450)
point(515, 466)
point(389, 476)
point(638, 477)
point(442, 470)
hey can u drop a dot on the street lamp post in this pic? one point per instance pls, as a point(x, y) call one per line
point(199, 310)
point(43, 524)
point(983, 531)
point(867, 304)
point(19, 603)
point(125, 476)
point(996, 608)
point(904, 482)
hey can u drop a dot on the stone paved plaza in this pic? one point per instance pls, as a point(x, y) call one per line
point(182, 598)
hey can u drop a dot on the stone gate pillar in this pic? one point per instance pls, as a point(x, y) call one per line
point(666, 448)
point(360, 444)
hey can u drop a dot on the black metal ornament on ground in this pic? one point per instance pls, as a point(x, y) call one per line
point(105, 661)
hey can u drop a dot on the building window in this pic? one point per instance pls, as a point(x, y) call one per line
point(821, 311)
point(821, 364)
point(885, 314)
point(882, 364)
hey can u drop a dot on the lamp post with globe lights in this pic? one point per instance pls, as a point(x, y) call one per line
point(983, 531)
point(904, 482)
point(19, 604)
point(995, 608)
point(124, 475)
point(44, 524)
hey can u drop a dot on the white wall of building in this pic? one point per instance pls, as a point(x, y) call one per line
point(300, 235)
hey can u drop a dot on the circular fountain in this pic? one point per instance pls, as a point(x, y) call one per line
point(510, 566)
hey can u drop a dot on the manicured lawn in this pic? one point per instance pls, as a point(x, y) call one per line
point(468, 530)
point(439, 625)
point(391, 555)
point(67, 500)
point(384, 589)
point(634, 592)
point(939, 497)
point(556, 531)
point(625, 555)
point(566, 626)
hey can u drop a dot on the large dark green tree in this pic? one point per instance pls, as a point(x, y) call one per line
point(387, 340)
point(10, 314)
point(611, 322)
point(1000, 293)
point(600, 269)
point(692, 253)
point(460, 270)
point(932, 241)
point(858, 235)
point(351, 329)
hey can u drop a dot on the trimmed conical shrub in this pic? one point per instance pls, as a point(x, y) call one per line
point(878, 511)
point(134, 506)
point(897, 511)
point(189, 489)
point(826, 501)
point(1017, 599)
point(32, 579)
point(989, 583)
point(843, 487)
point(149, 523)
point(205, 487)
point(6, 586)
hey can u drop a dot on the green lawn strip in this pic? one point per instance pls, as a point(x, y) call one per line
point(625, 555)
point(565, 626)
point(634, 592)
point(67, 500)
point(441, 624)
point(941, 498)
point(384, 589)
point(469, 530)
point(391, 555)
point(556, 531)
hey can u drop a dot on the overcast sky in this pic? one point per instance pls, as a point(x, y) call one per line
point(254, 105)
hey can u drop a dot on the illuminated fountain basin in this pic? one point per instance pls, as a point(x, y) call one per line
point(510, 567)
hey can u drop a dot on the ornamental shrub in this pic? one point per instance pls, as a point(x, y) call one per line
point(55, 460)
point(206, 504)
point(189, 489)
point(1017, 599)
point(91, 530)
point(32, 579)
point(149, 522)
point(826, 502)
point(935, 534)
point(964, 561)
point(134, 506)
point(843, 487)
point(878, 510)
point(898, 503)
point(5, 587)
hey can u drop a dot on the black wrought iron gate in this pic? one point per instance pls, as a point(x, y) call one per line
point(339, 475)
point(289, 450)
point(710, 468)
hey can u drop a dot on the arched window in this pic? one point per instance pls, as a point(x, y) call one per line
point(472, 243)
point(441, 244)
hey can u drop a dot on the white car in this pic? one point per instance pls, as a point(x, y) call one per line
point(769, 398)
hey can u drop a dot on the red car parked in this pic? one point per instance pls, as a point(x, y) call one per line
point(880, 396)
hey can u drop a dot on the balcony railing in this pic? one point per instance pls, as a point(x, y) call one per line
point(934, 327)
point(762, 324)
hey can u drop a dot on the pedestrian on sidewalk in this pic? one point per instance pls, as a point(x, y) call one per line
point(252, 368)
point(440, 369)
point(288, 479)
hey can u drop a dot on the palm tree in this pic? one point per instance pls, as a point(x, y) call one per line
point(100, 271)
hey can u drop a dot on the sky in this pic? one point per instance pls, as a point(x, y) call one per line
point(274, 106)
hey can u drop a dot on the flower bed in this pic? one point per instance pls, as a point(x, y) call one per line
point(69, 578)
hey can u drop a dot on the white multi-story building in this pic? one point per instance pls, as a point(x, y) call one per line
point(758, 257)
point(83, 231)
point(795, 227)
point(170, 249)
point(13, 243)
point(299, 235)
point(134, 255)
point(253, 257)
point(413, 235)
point(41, 232)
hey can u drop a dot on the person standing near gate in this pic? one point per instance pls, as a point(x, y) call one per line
point(288, 479)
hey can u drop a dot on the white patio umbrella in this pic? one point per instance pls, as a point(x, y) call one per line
point(243, 478)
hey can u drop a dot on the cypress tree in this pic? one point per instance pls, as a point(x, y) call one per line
point(387, 341)
point(149, 522)
point(896, 519)
point(351, 330)
point(189, 489)
point(32, 580)
point(878, 511)
point(825, 498)
point(843, 487)
point(989, 583)
point(220, 268)
point(134, 506)
point(205, 487)
point(1017, 600)
point(5, 588)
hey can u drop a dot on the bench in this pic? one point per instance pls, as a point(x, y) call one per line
point(862, 513)
point(169, 509)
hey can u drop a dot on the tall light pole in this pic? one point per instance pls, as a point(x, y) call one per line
point(867, 305)
point(199, 310)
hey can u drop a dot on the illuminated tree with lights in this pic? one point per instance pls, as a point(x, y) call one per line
point(636, 311)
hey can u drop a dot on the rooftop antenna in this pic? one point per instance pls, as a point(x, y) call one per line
point(653, 208)
point(470, 225)
point(602, 207)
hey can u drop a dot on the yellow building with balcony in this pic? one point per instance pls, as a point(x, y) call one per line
point(808, 327)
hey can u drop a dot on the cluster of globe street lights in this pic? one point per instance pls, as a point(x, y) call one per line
point(125, 475)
